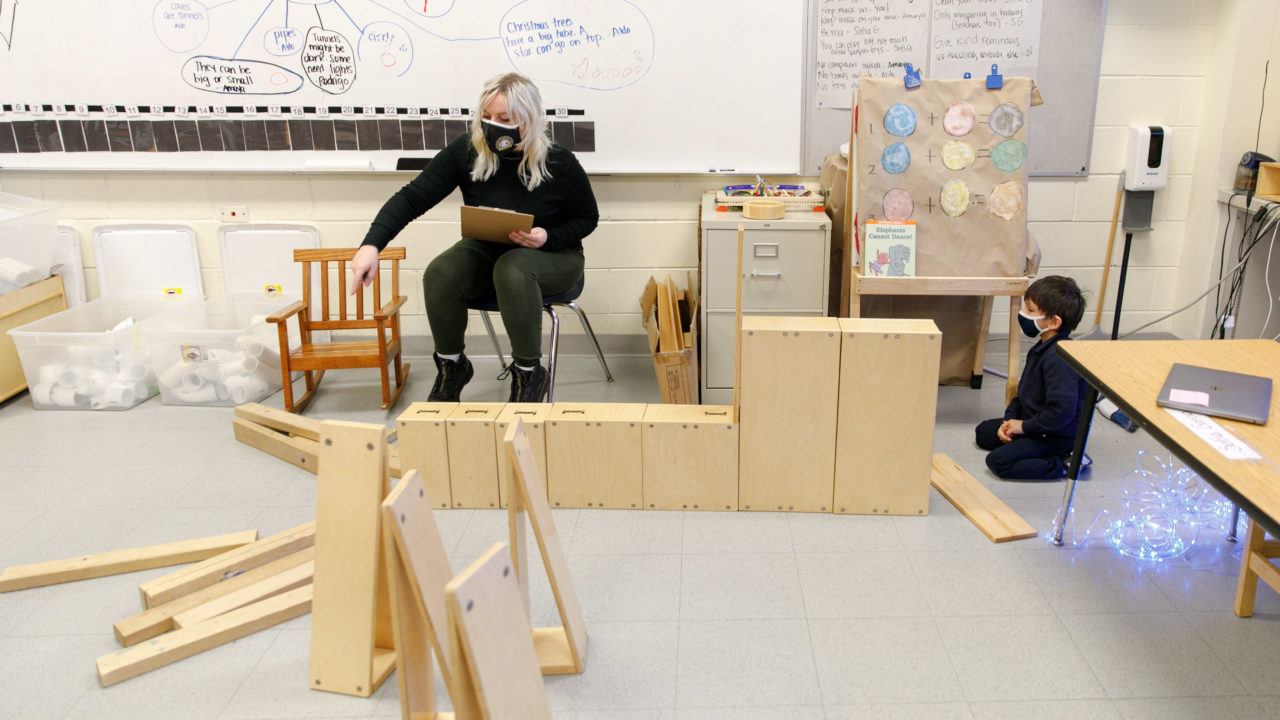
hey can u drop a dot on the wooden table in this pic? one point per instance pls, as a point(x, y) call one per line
point(1131, 374)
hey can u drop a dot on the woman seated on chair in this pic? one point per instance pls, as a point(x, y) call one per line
point(507, 161)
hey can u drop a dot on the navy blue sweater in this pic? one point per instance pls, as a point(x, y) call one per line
point(1050, 394)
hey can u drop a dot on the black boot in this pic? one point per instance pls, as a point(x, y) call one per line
point(527, 386)
point(451, 376)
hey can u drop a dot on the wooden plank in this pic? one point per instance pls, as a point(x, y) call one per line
point(285, 422)
point(220, 567)
point(888, 400)
point(179, 644)
point(594, 456)
point(787, 435)
point(737, 334)
point(919, 285)
point(418, 567)
point(534, 417)
point(297, 451)
point(527, 496)
point(473, 455)
point(485, 615)
point(667, 333)
point(116, 562)
point(995, 519)
point(690, 457)
point(351, 635)
point(290, 579)
point(18, 308)
point(424, 447)
point(159, 619)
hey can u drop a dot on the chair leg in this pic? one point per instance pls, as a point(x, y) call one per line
point(493, 337)
point(591, 335)
point(555, 350)
point(386, 386)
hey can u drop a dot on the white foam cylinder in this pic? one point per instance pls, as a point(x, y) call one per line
point(198, 396)
point(48, 374)
point(41, 394)
point(119, 394)
point(192, 380)
point(132, 370)
point(103, 357)
point(97, 402)
point(251, 345)
point(94, 382)
point(270, 358)
point(69, 377)
point(172, 378)
point(247, 389)
point(210, 370)
point(16, 272)
point(141, 390)
point(67, 397)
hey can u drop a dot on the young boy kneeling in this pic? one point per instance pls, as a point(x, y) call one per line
point(1038, 429)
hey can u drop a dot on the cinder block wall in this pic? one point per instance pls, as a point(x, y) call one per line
point(1158, 59)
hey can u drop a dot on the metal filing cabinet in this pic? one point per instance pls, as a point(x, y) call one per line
point(784, 272)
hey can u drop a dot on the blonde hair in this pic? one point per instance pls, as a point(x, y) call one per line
point(524, 106)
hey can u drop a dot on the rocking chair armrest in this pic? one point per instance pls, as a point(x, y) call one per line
point(390, 308)
point(288, 312)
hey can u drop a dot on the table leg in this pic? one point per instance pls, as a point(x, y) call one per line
point(1015, 348)
point(980, 353)
point(1235, 521)
point(1073, 471)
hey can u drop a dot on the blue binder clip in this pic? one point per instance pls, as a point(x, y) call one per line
point(995, 80)
point(968, 76)
point(912, 78)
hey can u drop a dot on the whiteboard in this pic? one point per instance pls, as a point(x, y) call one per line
point(632, 86)
point(1060, 132)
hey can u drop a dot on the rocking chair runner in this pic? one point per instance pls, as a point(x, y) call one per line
point(313, 359)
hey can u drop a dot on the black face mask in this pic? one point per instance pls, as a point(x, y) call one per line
point(502, 139)
point(1029, 326)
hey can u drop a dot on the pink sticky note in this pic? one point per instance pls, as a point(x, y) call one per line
point(1189, 397)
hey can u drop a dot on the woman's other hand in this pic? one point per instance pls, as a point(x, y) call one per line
point(535, 238)
point(363, 266)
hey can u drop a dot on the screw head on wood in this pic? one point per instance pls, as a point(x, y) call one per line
point(470, 603)
point(328, 441)
point(506, 571)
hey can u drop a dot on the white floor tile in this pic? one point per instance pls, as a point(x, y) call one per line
point(1017, 658)
point(1056, 709)
point(625, 588)
point(629, 665)
point(900, 711)
point(740, 587)
point(736, 532)
point(847, 585)
point(726, 663)
point(882, 660)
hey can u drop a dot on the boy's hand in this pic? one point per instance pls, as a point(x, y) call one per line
point(1009, 429)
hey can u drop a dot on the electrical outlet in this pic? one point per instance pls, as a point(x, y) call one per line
point(233, 213)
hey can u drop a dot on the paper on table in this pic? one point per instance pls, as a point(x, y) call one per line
point(1189, 397)
point(1218, 437)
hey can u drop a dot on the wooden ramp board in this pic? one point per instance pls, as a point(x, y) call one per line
point(179, 644)
point(116, 562)
point(292, 438)
point(291, 579)
point(984, 509)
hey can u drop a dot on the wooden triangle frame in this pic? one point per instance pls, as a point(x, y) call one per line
point(561, 650)
point(352, 643)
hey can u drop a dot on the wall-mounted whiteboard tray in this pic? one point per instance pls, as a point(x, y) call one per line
point(28, 229)
point(737, 200)
point(89, 357)
point(258, 258)
point(219, 352)
point(68, 262)
point(147, 260)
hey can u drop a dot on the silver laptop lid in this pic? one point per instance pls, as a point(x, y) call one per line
point(1217, 392)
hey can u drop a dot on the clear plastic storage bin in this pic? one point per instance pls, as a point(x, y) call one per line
point(89, 357)
point(221, 351)
point(28, 233)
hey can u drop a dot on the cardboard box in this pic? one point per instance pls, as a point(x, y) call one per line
point(677, 370)
point(1268, 182)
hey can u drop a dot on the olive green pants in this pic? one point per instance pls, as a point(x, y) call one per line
point(518, 276)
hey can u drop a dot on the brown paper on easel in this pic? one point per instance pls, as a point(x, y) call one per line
point(977, 243)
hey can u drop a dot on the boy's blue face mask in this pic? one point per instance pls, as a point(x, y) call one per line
point(1028, 324)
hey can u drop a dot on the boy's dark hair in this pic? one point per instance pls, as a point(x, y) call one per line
point(1058, 295)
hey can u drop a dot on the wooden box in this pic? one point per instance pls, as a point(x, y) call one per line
point(593, 455)
point(888, 400)
point(690, 457)
point(1268, 187)
point(424, 447)
point(473, 455)
point(790, 372)
point(18, 308)
point(534, 417)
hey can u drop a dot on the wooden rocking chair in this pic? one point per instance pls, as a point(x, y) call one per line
point(313, 359)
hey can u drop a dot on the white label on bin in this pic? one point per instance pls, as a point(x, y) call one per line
point(193, 353)
point(272, 290)
point(173, 291)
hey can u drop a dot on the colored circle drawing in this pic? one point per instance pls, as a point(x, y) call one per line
point(898, 205)
point(958, 120)
point(1005, 120)
point(957, 154)
point(1009, 155)
point(900, 120)
point(1006, 200)
point(895, 158)
point(954, 198)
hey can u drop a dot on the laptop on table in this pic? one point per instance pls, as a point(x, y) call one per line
point(1217, 392)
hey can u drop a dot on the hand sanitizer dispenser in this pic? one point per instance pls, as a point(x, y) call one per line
point(1147, 162)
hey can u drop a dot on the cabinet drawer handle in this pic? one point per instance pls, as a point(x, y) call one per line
point(766, 274)
point(765, 250)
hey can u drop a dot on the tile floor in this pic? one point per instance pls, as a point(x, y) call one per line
point(696, 616)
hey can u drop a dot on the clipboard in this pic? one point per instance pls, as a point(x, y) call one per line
point(493, 224)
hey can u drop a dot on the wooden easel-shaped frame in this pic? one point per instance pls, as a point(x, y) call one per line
point(561, 650)
point(352, 644)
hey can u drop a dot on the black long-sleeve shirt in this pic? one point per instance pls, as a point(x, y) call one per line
point(1050, 393)
point(563, 204)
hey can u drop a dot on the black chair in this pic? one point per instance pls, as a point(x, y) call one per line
point(489, 304)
